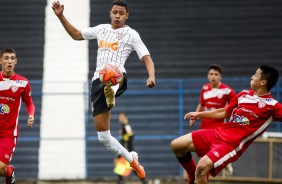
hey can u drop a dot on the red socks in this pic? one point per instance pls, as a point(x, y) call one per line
point(189, 165)
point(9, 171)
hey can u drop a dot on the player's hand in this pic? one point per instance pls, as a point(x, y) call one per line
point(30, 120)
point(151, 82)
point(58, 8)
point(192, 116)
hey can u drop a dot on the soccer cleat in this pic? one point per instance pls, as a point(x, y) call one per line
point(136, 166)
point(11, 179)
point(110, 96)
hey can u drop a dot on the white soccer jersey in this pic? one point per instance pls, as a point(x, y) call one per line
point(114, 45)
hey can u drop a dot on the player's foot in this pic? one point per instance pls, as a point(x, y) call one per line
point(11, 179)
point(136, 166)
point(229, 170)
point(110, 96)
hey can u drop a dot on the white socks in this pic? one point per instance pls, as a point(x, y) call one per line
point(113, 145)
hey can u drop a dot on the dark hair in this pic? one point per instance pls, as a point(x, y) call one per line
point(269, 74)
point(120, 3)
point(216, 67)
point(7, 50)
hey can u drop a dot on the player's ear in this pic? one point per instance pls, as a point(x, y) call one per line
point(263, 82)
point(127, 15)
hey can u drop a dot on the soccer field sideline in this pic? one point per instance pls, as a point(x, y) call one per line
point(177, 180)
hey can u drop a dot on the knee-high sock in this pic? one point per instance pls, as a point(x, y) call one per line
point(9, 171)
point(188, 164)
point(113, 145)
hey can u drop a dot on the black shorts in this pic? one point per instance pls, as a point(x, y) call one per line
point(98, 99)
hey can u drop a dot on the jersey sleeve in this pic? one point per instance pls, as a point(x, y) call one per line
point(90, 33)
point(139, 46)
point(202, 100)
point(27, 99)
point(231, 95)
point(233, 103)
point(277, 113)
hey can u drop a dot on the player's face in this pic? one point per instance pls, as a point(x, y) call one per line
point(256, 81)
point(214, 77)
point(118, 16)
point(8, 62)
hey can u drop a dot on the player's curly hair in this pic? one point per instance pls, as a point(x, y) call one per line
point(269, 74)
point(120, 3)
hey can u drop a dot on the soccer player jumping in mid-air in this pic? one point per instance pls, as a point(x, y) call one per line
point(115, 42)
point(251, 112)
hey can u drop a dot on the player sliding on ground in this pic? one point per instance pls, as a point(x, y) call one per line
point(115, 42)
point(251, 112)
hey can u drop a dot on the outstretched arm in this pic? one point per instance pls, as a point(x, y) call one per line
point(199, 108)
point(58, 9)
point(151, 71)
point(217, 114)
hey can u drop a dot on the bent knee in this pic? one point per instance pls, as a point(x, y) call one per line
point(3, 170)
point(173, 145)
point(104, 138)
point(182, 145)
point(204, 166)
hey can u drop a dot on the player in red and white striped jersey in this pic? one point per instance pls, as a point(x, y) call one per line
point(115, 42)
point(251, 112)
point(13, 89)
point(214, 95)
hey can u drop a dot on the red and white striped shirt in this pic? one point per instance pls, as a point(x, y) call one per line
point(251, 115)
point(215, 98)
point(13, 90)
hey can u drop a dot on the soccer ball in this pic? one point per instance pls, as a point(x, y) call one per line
point(110, 75)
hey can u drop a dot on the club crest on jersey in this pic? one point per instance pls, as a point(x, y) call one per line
point(216, 153)
point(261, 104)
point(14, 88)
point(4, 109)
point(7, 156)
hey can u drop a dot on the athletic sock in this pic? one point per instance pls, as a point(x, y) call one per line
point(9, 171)
point(188, 164)
point(113, 145)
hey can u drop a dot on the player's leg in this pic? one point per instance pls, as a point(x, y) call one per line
point(204, 165)
point(7, 148)
point(182, 148)
point(101, 114)
point(8, 171)
point(102, 124)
